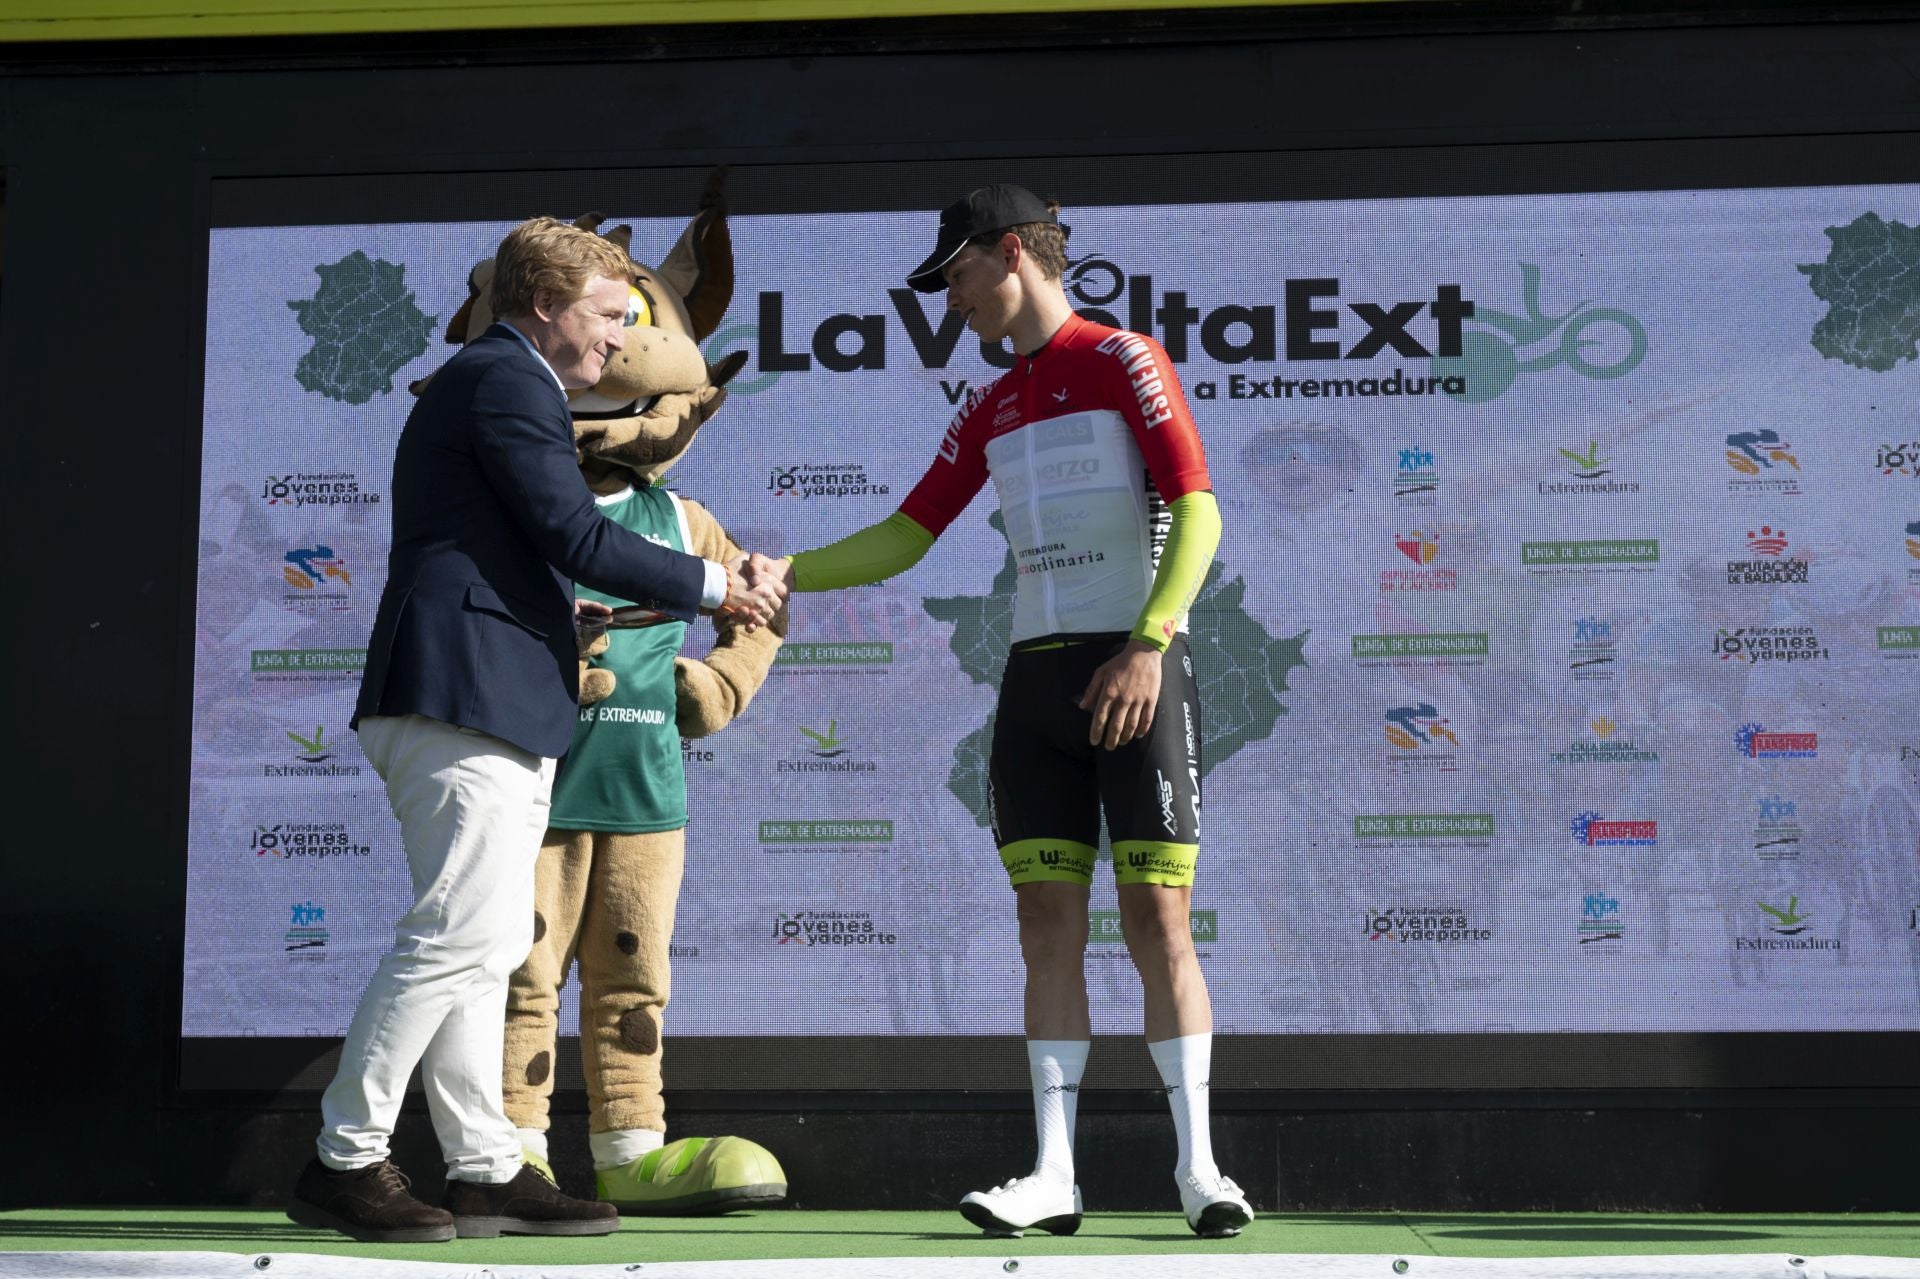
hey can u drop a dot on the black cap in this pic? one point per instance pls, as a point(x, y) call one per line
point(992, 208)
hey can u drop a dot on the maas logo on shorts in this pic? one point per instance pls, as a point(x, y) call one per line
point(1167, 819)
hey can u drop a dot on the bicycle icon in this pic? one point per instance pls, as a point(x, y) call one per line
point(1491, 363)
point(1094, 280)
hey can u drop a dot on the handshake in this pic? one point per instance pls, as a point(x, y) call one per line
point(757, 588)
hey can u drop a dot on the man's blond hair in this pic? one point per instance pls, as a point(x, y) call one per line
point(1044, 242)
point(546, 253)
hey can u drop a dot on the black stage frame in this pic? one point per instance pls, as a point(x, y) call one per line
point(117, 161)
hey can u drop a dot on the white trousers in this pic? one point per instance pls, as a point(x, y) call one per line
point(472, 809)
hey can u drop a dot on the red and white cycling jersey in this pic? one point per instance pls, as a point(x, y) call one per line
point(1087, 440)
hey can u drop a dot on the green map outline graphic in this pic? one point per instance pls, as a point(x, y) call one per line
point(364, 325)
point(1871, 284)
point(1242, 670)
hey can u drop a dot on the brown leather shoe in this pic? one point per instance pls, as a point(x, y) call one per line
point(370, 1204)
point(527, 1205)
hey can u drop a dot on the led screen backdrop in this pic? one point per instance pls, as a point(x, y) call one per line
point(1558, 664)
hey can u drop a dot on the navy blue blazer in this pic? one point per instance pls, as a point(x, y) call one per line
point(492, 526)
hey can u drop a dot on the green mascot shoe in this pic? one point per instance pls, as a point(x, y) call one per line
point(695, 1176)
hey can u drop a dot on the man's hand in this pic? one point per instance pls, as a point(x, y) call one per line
point(1122, 695)
point(755, 591)
point(590, 619)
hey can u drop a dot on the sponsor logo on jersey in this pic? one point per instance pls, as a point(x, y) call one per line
point(950, 442)
point(1149, 387)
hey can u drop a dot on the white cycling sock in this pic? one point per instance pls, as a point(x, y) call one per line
point(1056, 1066)
point(1186, 1065)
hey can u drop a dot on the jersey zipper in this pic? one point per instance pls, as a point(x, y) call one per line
point(1049, 604)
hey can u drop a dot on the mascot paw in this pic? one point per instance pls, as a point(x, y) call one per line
point(596, 685)
point(703, 703)
point(695, 1177)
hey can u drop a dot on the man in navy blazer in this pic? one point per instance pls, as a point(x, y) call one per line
point(468, 699)
point(492, 525)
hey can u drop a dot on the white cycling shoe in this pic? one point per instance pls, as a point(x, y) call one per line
point(1216, 1208)
point(1022, 1204)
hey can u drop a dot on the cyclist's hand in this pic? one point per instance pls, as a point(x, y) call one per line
point(782, 569)
point(1122, 695)
point(761, 570)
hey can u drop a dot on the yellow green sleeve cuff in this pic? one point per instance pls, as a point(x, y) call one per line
point(1191, 541)
point(874, 554)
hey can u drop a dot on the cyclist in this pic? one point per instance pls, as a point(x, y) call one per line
point(1104, 491)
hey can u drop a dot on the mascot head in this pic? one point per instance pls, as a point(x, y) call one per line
point(653, 396)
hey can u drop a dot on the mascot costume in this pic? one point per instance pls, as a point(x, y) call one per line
point(609, 871)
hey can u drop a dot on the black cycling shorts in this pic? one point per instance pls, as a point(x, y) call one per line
point(1047, 785)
